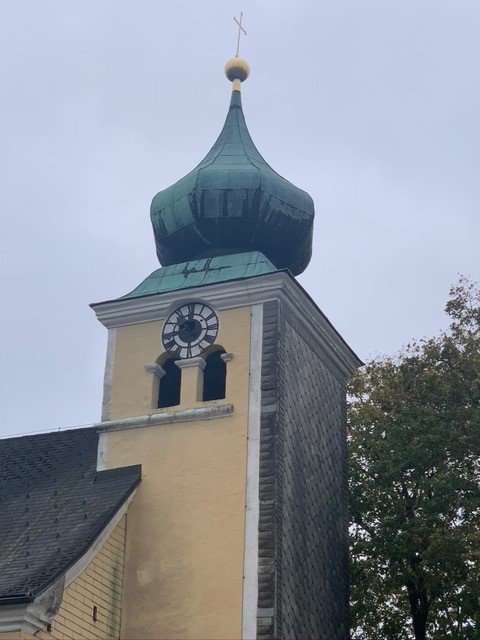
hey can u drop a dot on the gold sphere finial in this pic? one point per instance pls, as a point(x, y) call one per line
point(237, 69)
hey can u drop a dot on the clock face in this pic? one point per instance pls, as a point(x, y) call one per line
point(189, 330)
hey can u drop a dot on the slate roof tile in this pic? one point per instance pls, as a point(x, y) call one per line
point(53, 505)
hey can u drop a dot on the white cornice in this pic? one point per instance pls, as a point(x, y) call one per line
point(239, 293)
point(209, 412)
point(223, 295)
point(34, 616)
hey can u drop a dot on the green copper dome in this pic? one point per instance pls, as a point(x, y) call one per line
point(234, 202)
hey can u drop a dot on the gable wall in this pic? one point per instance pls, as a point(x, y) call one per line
point(100, 585)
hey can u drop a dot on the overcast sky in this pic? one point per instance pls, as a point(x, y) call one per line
point(372, 107)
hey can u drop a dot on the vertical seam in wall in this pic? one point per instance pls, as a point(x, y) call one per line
point(108, 376)
point(250, 559)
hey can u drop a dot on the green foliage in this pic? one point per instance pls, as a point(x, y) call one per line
point(414, 442)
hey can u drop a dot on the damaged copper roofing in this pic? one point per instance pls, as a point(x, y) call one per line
point(234, 202)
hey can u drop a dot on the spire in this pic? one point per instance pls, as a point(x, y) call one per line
point(233, 201)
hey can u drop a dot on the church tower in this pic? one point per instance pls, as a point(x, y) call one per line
point(226, 383)
point(210, 501)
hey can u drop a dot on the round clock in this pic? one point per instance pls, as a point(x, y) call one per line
point(189, 330)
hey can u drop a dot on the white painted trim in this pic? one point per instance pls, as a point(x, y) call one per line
point(33, 616)
point(108, 375)
point(102, 451)
point(83, 562)
point(240, 293)
point(222, 295)
point(185, 363)
point(18, 618)
point(209, 412)
point(252, 508)
point(156, 369)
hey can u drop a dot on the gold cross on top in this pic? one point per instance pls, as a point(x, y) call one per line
point(240, 29)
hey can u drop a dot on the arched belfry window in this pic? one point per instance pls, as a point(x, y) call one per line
point(214, 375)
point(169, 385)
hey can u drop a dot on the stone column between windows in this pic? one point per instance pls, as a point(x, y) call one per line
point(191, 390)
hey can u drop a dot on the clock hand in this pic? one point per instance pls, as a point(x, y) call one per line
point(170, 335)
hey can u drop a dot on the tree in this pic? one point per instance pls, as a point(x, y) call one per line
point(414, 452)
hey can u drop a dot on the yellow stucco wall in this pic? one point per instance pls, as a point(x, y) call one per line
point(185, 533)
point(100, 585)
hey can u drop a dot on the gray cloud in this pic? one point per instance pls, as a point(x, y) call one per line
point(372, 107)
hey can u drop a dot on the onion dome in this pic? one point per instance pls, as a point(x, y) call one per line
point(234, 202)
